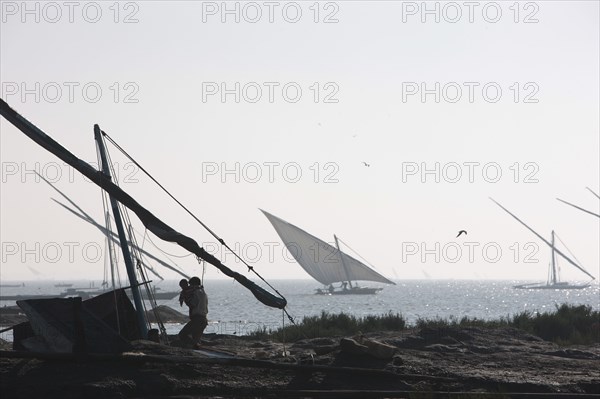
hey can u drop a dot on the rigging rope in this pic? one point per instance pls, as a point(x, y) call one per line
point(221, 240)
point(357, 254)
point(153, 223)
point(568, 250)
point(571, 253)
point(283, 333)
point(136, 254)
point(163, 251)
point(201, 261)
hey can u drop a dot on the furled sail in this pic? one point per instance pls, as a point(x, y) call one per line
point(321, 260)
point(151, 222)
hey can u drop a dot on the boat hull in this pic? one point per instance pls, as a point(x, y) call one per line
point(551, 286)
point(349, 291)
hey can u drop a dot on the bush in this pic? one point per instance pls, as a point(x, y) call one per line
point(333, 325)
point(568, 325)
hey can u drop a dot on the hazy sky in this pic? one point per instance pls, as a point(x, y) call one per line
point(448, 104)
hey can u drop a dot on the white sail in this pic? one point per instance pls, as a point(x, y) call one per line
point(320, 259)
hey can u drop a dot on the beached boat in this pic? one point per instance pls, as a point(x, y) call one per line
point(553, 282)
point(325, 263)
point(96, 325)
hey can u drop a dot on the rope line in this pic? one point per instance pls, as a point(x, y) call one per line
point(219, 239)
point(357, 254)
point(571, 253)
point(136, 254)
point(163, 251)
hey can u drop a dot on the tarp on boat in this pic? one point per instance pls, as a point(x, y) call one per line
point(103, 324)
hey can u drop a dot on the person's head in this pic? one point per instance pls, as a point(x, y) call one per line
point(183, 283)
point(195, 281)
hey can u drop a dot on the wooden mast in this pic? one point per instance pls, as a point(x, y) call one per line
point(135, 289)
point(553, 275)
point(337, 244)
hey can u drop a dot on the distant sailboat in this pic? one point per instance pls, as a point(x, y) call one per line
point(553, 281)
point(325, 263)
point(553, 275)
point(12, 285)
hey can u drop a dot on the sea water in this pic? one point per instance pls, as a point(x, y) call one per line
point(234, 310)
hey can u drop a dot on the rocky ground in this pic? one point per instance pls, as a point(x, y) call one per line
point(431, 362)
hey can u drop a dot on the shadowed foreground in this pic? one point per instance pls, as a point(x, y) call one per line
point(420, 361)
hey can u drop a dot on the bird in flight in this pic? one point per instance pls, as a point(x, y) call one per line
point(366, 164)
point(460, 232)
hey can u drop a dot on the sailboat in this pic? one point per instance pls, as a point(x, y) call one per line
point(553, 282)
point(325, 263)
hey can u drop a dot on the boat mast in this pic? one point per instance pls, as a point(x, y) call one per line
point(565, 257)
point(135, 289)
point(554, 278)
point(337, 244)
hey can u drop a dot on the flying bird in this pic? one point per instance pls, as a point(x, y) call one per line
point(366, 164)
point(460, 232)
